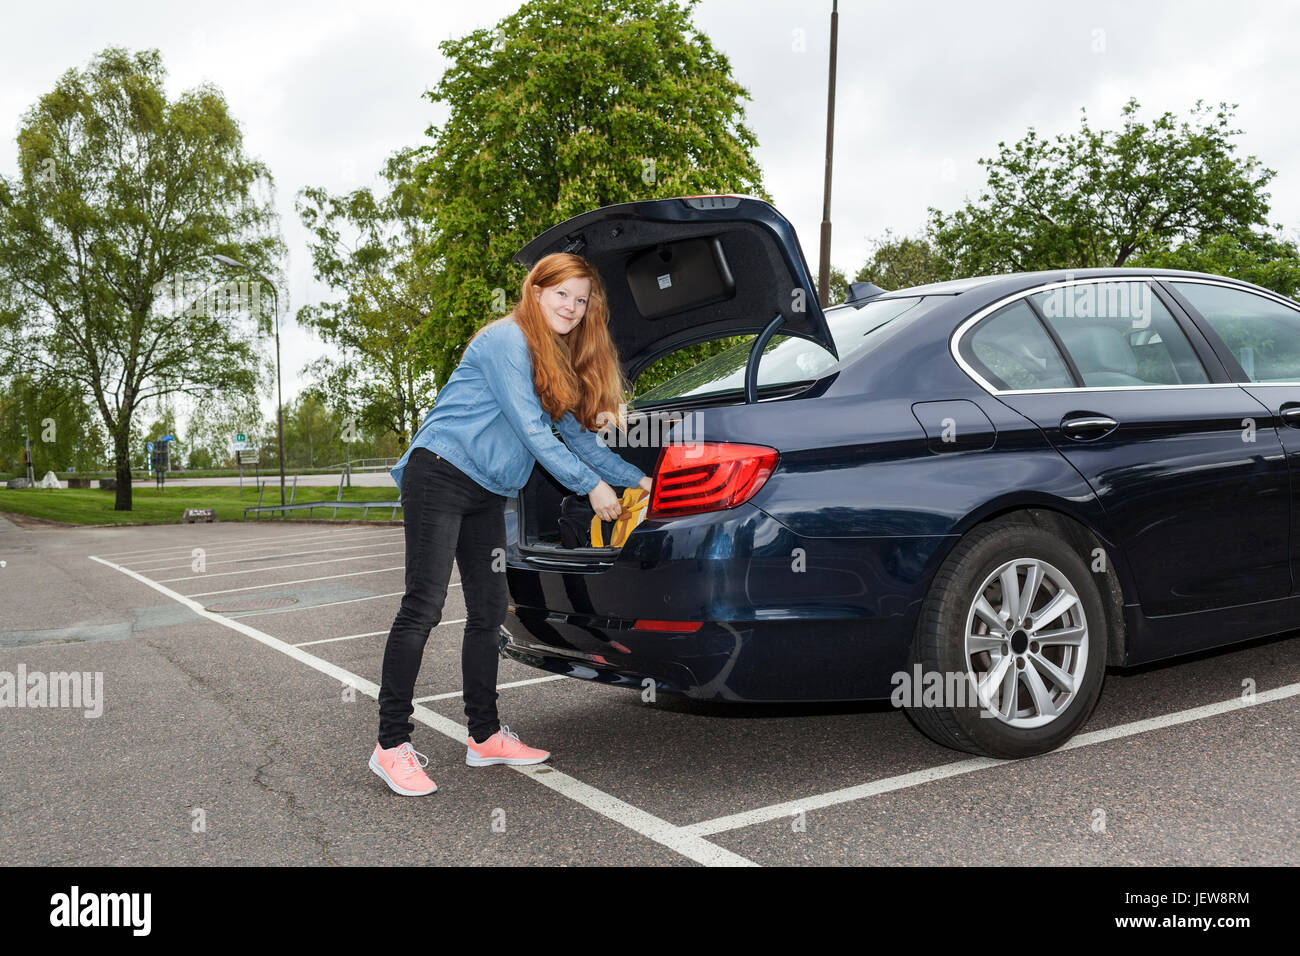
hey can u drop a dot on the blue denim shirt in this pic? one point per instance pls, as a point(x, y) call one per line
point(489, 423)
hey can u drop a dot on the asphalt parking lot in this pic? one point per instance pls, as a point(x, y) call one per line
point(238, 713)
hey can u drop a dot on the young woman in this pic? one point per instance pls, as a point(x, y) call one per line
point(550, 361)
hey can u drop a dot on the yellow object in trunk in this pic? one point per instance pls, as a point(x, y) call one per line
point(635, 501)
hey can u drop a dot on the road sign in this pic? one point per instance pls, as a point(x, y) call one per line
point(241, 437)
point(148, 446)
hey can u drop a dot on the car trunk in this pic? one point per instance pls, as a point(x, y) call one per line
point(696, 419)
point(676, 272)
point(538, 507)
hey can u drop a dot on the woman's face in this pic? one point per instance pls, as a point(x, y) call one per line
point(565, 304)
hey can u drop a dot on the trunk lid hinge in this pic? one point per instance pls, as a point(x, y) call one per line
point(756, 355)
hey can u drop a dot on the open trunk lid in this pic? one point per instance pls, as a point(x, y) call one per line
point(686, 270)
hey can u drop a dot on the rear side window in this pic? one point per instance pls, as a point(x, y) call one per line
point(1264, 335)
point(1119, 334)
point(1012, 351)
point(789, 359)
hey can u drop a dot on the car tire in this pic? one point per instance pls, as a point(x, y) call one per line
point(1025, 686)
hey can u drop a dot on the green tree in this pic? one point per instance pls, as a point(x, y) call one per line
point(365, 250)
point(901, 263)
point(215, 422)
point(1264, 258)
point(64, 430)
point(1104, 197)
point(564, 106)
point(121, 197)
point(312, 435)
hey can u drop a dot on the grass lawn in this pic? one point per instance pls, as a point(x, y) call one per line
point(149, 506)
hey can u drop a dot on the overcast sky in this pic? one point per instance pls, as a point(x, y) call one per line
point(326, 90)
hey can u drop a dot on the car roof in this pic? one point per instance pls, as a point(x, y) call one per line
point(1043, 277)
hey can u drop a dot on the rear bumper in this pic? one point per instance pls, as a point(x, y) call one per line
point(784, 618)
point(743, 661)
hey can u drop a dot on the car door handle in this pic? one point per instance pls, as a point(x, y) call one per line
point(1087, 426)
point(1291, 414)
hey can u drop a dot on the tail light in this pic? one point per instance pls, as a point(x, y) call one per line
point(708, 476)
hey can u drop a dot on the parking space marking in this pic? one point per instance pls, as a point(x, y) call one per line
point(513, 683)
point(345, 637)
point(690, 845)
point(254, 542)
point(238, 551)
point(285, 584)
point(890, 784)
point(250, 552)
point(177, 547)
point(349, 637)
point(272, 557)
point(279, 567)
point(312, 607)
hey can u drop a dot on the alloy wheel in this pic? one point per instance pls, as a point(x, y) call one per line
point(1026, 646)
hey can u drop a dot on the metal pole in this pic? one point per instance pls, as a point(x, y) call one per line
point(824, 270)
point(279, 391)
point(27, 454)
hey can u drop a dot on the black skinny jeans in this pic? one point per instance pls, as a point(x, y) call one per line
point(446, 513)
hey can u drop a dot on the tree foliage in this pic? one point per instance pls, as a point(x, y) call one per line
point(121, 197)
point(365, 249)
point(64, 431)
point(1267, 259)
point(214, 423)
point(562, 107)
point(901, 263)
point(1104, 197)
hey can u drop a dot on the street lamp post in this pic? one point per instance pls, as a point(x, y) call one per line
point(279, 393)
point(824, 266)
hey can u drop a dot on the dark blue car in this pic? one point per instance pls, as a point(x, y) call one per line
point(970, 497)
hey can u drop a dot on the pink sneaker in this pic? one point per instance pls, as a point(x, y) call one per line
point(503, 747)
point(399, 767)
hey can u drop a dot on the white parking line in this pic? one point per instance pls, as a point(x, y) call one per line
point(513, 683)
point(345, 637)
point(175, 547)
point(268, 567)
point(890, 784)
point(349, 637)
point(254, 542)
point(312, 607)
point(285, 584)
point(267, 557)
point(675, 838)
point(260, 551)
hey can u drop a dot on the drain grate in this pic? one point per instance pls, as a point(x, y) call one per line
point(251, 604)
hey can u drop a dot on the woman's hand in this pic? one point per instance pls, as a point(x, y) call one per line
point(645, 483)
point(604, 502)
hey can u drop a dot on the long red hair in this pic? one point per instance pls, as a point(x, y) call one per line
point(580, 372)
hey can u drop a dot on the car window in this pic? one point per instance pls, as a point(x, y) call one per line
point(1012, 350)
point(1264, 335)
point(788, 359)
point(1119, 334)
